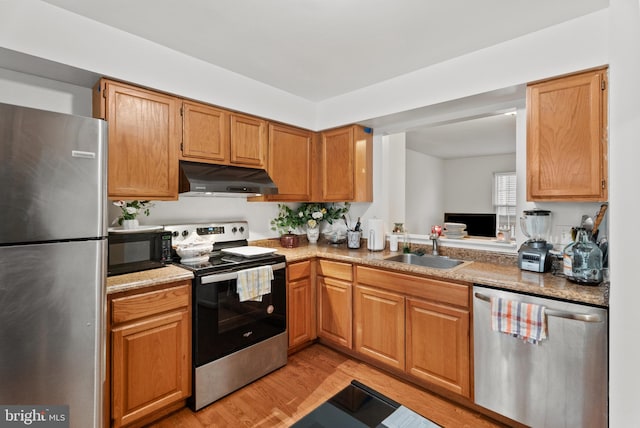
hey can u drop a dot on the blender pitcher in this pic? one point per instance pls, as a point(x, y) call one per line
point(536, 224)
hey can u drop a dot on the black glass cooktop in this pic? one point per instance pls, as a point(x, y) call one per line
point(229, 262)
point(358, 406)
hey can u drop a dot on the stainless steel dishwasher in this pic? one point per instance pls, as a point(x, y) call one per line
point(560, 382)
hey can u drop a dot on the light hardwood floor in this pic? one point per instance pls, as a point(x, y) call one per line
point(310, 377)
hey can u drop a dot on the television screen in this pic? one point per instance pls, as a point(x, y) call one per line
point(477, 224)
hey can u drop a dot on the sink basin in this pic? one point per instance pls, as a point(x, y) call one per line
point(436, 262)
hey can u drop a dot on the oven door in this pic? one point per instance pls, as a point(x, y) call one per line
point(223, 324)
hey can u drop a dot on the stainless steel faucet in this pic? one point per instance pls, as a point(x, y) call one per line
point(434, 242)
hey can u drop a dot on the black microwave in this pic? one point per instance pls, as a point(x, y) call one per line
point(135, 251)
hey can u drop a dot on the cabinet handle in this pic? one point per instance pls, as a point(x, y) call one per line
point(557, 313)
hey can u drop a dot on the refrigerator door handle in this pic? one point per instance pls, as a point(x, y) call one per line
point(555, 312)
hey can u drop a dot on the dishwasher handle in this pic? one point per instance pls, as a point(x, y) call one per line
point(556, 313)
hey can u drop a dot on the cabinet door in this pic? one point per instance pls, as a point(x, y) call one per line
point(300, 316)
point(290, 154)
point(205, 134)
point(379, 325)
point(144, 133)
point(150, 366)
point(335, 311)
point(150, 352)
point(337, 162)
point(438, 345)
point(301, 304)
point(566, 138)
point(248, 141)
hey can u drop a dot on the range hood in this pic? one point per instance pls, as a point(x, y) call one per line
point(203, 179)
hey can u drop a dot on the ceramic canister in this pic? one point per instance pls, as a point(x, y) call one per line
point(375, 234)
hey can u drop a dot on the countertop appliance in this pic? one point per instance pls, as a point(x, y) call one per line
point(52, 263)
point(135, 250)
point(234, 342)
point(561, 381)
point(375, 234)
point(533, 255)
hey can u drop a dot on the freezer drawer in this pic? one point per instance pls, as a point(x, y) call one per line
point(560, 382)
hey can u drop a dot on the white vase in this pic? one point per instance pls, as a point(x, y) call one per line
point(313, 233)
point(130, 224)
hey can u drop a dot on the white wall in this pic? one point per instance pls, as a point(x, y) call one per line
point(468, 182)
point(425, 192)
point(396, 179)
point(624, 197)
point(35, 92)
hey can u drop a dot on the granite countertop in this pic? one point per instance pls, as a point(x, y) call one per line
point(501, 272)
point(147, 278)
point(495, 270)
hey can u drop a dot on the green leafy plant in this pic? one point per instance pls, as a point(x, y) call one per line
point(131, 210)
point(287, 220)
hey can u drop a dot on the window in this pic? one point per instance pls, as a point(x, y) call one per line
point(504, 199)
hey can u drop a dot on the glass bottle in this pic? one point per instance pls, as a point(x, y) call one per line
point(587, 259)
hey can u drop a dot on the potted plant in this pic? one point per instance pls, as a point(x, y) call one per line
point(285, 223)
point(129, 216)
point(313, 213)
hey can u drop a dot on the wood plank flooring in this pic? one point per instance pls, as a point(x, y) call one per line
point(310, 377)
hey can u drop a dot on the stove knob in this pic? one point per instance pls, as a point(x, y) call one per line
point(185, 233)
point(175, 234)
point(234, 229)
point(241, 229)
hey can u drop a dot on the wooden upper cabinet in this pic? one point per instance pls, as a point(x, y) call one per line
point(289, 166)
point(144, 133)
point(248, 141)
point(345, 165)
point(205, 133)
point(567, 138)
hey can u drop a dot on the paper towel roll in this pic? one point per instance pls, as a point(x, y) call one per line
point(375, 234)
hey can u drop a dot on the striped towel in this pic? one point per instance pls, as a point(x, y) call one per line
point(526, 321)
point(254, 283)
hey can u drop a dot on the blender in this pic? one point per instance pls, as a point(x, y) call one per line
point(534, 255)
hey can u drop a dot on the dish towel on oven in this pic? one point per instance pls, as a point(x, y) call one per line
point(254, 283)
point(526, 321)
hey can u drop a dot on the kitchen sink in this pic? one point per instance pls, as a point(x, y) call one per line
point(436, 262)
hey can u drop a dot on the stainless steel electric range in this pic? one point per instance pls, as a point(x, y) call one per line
point(235, 341)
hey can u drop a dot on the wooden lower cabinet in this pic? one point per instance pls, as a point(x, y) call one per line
point(415, 324)
point(438, 345)
point(150, 341)
point(301, 314)
point(335, 307)
point(379, 325)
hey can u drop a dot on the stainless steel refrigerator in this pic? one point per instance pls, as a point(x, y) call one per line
point(52, 264)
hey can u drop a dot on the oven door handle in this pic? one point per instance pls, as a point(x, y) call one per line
point(229, 276)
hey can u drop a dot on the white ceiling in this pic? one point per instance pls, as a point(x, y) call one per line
point(318, 49)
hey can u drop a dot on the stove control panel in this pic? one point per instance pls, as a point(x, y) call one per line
point(212, 232)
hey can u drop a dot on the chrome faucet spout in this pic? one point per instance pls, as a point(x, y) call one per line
point(434, 242)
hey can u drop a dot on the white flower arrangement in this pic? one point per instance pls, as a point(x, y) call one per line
point(130, 210)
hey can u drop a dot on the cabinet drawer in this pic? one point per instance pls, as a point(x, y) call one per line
point(336, 270)
point(299, 270)
point(430, 289)
point(142, 305)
